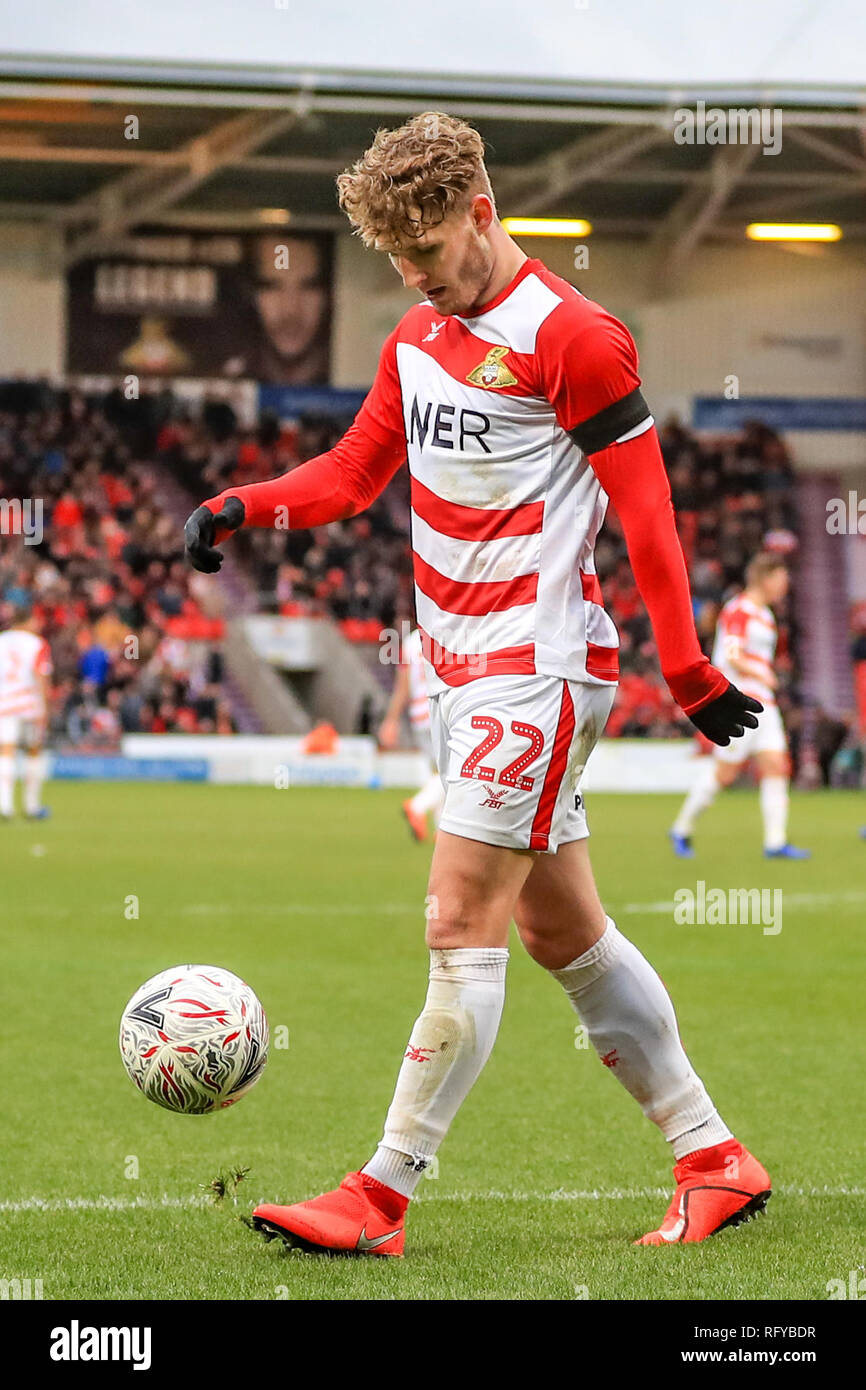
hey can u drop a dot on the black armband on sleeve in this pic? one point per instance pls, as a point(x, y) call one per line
point(601, 430)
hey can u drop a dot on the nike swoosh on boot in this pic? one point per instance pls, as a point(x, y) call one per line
point(366, 1243)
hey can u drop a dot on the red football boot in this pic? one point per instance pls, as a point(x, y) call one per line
point(362, 1215)
point(716, 1187)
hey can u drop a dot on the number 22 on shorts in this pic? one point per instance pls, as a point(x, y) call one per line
point(512, 775)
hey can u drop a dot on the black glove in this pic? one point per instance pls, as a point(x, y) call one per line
point(728, 716)
point(201, 528)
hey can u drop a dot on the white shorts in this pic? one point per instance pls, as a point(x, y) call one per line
point(20, 731)
point(510, 752)
point(769, 737)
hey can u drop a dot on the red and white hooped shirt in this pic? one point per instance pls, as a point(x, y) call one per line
point(505, 505)
point(519, 423)
point(24, 658)
point(747, 630)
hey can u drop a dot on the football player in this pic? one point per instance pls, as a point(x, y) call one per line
point(518, 404)
point(25, 668)
point(744, 650)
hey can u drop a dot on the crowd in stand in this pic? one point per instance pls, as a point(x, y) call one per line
point(134, 636)
point(732, 496)
point(358, 572)
point(134, 646)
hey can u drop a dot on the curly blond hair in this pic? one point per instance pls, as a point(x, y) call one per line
point(413, 177)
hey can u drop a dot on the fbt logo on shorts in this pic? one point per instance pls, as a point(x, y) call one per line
point(22, 517)
point(494, 800)
point(77, 1343)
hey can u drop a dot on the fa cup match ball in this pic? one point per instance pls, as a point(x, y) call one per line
point(194, 1039)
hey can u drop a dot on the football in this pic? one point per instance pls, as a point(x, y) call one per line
point(194, 1039)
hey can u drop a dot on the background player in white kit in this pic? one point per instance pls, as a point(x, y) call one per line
point(744, 649)
point(517, 402)
point(25, 667)
point(410, 691)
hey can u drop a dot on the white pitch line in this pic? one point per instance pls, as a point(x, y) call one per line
point(304, 909)
point(103, 1203)
point(620, 1194)
point(324, 909)
point(663, 907)
point(616, 1194)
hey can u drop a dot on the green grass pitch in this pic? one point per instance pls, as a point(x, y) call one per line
point(316, 897)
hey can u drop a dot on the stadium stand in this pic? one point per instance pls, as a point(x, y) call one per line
point(135, 635)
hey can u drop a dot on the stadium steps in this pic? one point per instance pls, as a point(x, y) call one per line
point(343, 690)
point(261, 700)
point(270, 699)
point(821, 599)
point(243, 710)
point(382, 673)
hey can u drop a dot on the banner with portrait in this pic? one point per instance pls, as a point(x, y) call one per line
point(171, 304)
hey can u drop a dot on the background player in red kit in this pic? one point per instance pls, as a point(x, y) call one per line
point(25, 669)
point(518, 404)
point(744, 649)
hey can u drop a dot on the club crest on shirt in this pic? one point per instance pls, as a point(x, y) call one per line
point(492, 373)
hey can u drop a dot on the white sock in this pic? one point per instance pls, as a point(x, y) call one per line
point(430, 798)
point(702, 795)
point(450, 1043)
point(33, 777)
point(774, 809)
point(7, 784)
point(630, 1020)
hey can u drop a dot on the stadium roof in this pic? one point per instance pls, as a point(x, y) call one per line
point(227, 136)
point(810, 49)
